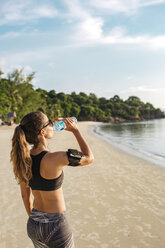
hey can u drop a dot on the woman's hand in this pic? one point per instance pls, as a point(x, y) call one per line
point(70, 125)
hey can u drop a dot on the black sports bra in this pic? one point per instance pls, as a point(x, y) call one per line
point(37, 182)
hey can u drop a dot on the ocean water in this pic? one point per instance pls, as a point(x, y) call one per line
point(145, 139)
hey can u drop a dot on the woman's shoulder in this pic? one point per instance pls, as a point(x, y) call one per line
point(58, 158)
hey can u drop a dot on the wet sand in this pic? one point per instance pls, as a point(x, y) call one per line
point(118, 201)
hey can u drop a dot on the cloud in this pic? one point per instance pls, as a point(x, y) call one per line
point(52, 65)
point(44, 11)
point(3, 63)
point(147, 41)
point(146, 94)
point(75, 9)
point(84, 30)
point(7, 67)
point(21, 11)
point(114, 6)
point(142, 88)
point(150, 2)
point(10, 35)
point(122, 6)
point(90, 31)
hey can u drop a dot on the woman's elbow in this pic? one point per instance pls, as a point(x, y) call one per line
point(87, 160)
point(90, 160)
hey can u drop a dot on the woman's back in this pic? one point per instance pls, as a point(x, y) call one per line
point(46, 183)
point(49, 201)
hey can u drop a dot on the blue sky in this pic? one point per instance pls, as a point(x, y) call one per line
point(105, 47)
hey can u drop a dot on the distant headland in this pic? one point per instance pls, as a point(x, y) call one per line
point(18, 97)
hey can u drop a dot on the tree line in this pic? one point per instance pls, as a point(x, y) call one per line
point(17, 94)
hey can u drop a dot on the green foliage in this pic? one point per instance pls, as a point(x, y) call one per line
point(5, 100)
point(87, 112)
point(18, 94)
point(75, 110)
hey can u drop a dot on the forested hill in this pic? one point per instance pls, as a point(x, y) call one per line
point(17, 94)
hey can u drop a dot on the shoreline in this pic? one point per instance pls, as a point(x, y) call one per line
point(118, 201)
point(146, 156)
point(119, 149)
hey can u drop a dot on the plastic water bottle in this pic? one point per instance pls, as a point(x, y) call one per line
point(60, 125)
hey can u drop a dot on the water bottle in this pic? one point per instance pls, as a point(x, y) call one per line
point(60, 125)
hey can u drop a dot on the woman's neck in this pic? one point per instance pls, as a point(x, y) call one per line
point(39, 148)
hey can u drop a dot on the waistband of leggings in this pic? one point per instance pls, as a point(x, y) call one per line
point(44, 217)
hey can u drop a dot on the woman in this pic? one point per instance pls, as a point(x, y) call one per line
point(41, 172)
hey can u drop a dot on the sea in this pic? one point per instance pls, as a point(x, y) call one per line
point(145, 139)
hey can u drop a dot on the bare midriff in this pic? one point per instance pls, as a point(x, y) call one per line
point(49, 201)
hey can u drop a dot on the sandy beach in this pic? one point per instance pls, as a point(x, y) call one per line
point(118, 201)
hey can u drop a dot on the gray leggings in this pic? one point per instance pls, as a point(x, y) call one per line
point(49, 230)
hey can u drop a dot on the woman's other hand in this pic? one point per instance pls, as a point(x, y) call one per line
point(70, 125)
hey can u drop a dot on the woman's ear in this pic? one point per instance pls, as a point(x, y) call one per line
point(42, 132)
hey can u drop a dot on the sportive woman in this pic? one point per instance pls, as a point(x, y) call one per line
point(41, 172)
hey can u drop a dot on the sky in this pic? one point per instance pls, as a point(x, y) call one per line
point(105, 47)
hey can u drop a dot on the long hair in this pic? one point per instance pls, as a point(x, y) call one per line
point(24, 134)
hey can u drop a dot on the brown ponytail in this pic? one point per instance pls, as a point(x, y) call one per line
point(26, 133)
point(20, 156)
